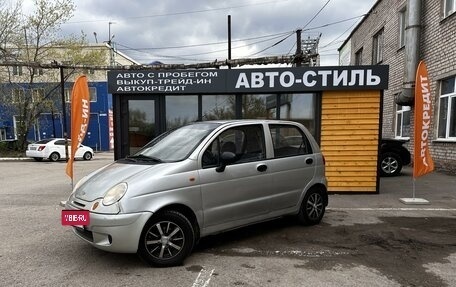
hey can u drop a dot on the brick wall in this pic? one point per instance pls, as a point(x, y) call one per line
point(437, 49)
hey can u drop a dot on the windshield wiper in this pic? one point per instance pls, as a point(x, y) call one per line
point(144, 158)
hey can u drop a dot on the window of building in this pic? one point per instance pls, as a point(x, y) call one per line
point(93, 94)
point(37, 95)
point(67, 94)
point(181, 110)
point(88, 71)
point(299, 108)
point(257, 107)
point(447, 109)
point(377, 47)
point(403, 121)
point(17, 70)
point(449, 7)
point(402, 24)
point(18, 95)
point(38, 71)
point(359, 57)
point(218, 107)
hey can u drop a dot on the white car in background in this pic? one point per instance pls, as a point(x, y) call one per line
point(54, 149)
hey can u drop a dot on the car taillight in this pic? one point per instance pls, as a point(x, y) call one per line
point(41, 147)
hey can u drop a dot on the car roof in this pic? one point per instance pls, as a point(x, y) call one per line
point(247, 121)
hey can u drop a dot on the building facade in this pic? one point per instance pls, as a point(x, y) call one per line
point(45, 96)
point(384, 37)
point(340, 106)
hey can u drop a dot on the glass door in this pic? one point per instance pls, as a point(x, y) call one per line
point(142, 124)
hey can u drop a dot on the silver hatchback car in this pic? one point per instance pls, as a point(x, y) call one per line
point(201, 179)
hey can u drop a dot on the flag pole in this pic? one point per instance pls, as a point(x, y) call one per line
point(422, 161)
point(413, 189)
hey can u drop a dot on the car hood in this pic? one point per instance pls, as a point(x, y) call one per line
point(98, 183)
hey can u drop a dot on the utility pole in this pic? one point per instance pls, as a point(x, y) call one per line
point(298, 54)
point(229, 40)
point(64, 115)
point(111, 49)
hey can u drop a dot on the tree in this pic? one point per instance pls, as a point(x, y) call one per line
point(33, 90)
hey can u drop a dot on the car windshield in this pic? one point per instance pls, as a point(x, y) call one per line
point(175, 145)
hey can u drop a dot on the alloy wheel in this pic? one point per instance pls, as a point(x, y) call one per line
point(164, 240)
point(389, 165)
point(314, 206)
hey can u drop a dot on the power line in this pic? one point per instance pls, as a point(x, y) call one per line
point(321, 9)
point(208, 44)
point(275, 44)
point(205, 53)
point(182, 13)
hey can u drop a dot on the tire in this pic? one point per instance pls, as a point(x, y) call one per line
point(312, 207)
point(390, 164)
point(158, 248)
point(38, 158)
point(54, 156)
point(87, 156)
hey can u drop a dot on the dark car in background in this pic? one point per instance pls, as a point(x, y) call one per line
point(393, 156)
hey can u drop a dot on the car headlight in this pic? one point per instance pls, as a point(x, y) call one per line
point(115, 193)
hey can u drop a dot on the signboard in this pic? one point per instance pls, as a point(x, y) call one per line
point(268, 80)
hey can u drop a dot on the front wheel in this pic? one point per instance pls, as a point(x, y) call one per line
point(312, 207)
point(166, 240)
point(87, 156)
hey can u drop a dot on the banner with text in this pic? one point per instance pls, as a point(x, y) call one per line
point(422, 161)
point(267, 80)
point(80, 115)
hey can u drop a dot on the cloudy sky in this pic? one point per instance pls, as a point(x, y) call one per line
point(178, 31)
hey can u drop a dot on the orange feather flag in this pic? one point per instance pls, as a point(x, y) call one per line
point(80, 115)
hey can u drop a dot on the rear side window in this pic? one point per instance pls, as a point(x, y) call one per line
point(289, 140)
point(246, 142)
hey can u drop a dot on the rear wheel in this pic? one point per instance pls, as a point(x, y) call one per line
point(312, 207)
point(87, 156)
point(390, 164)
point(166, 240)
point(54, 156)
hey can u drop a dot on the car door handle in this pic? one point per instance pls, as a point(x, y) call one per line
point(262, 167)
point(309, 161)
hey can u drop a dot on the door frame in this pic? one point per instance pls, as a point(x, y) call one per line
point(121, 115)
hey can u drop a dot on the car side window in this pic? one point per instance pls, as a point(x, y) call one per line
point(289, 140)
point(61, 142)
point(246, 142)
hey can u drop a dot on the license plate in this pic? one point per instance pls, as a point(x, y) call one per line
point(77, 218)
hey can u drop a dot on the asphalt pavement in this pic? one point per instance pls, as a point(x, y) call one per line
point(363, 240)
point(437, 188)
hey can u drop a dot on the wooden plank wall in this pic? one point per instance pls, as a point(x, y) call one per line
point(350, 123)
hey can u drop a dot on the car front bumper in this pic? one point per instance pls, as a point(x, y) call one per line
point(113, 232)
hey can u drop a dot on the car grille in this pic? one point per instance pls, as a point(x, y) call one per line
point(86, 234)
point(78, 204)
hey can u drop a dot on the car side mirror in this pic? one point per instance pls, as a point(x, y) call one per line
point(225, 159)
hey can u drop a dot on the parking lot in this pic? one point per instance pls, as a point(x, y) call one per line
point(363, 240)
